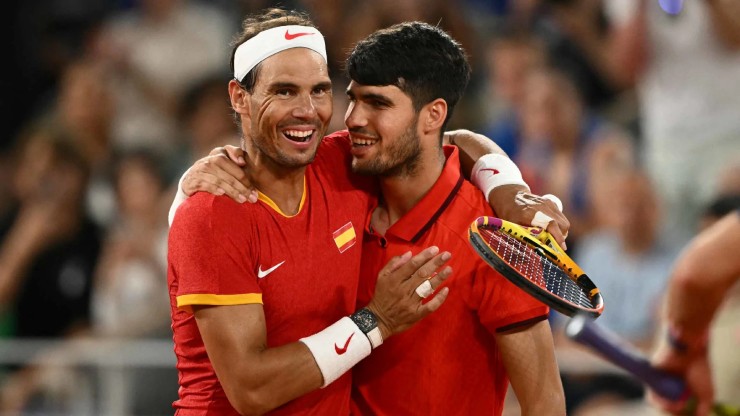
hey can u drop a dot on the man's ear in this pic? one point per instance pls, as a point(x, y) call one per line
point(239, 98)
point(433, 115)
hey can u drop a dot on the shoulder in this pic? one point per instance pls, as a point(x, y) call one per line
point(204, 211)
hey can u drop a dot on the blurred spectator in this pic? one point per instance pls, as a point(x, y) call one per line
point(687, 68)
point(130, 290)
point(48, 256)
point(206, 122)
point(509, 56)
point(85, 108)
point(44, 36)
point(155, 52)
point(630, 262)
point(561, 141)
point(576, 37)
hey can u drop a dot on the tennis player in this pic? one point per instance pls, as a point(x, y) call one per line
point(405, 82)
point(263, 295)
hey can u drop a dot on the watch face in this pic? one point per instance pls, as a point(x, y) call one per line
point(365, 320)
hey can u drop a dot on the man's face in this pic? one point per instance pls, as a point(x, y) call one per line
point(382, 124)
point(291, 107)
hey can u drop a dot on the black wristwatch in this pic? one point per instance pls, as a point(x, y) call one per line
point(368, 324)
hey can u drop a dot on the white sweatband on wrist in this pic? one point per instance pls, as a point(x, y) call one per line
point(338, 348)
point(272, 41)
point(180, 197)
point(494, 170)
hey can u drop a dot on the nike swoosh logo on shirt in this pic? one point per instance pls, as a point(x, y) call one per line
point(262, 273)
point(342, 350)
point(291, 36)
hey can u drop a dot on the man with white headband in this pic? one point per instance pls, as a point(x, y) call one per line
point(299, 139)
point(263, 295)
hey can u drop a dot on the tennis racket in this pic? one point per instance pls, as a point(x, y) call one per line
point(531, 259)
point(617, 351)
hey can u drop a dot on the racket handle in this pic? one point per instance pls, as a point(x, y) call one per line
point(583, 330)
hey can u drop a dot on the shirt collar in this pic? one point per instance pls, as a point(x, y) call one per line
point(425, 213)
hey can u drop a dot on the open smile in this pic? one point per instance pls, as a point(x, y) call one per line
point(300, 136)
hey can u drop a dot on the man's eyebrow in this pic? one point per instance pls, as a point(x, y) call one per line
point(280, 85)
point(323, 85)
point(370, 96)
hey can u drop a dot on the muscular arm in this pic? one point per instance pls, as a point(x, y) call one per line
point(702, 276)
point(503, 199)
point(529, 358)
point(254, 377)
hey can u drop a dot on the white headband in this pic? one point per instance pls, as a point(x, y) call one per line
point(275, 40)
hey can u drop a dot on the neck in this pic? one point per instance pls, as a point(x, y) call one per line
point(283, 185)
point(402, 192)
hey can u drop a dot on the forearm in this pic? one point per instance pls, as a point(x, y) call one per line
point(706, 270)
point(256, 378)
point(472, 147)
point(16, 254)
point(273, 377)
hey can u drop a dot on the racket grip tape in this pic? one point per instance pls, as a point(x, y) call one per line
point(584, 331)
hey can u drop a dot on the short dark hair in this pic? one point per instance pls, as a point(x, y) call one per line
point(420, 59)
point(253, 25)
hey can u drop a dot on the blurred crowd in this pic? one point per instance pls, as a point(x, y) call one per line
point(627, 113)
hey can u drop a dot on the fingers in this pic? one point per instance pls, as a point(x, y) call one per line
point(219, 175)
point(424, 264)
point(395, 263)
point(217, 151)
point(556, 234)
point(236, 154)
point(435, 302)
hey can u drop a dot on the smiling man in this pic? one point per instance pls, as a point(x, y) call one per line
point(405, 83)
point(262, 295)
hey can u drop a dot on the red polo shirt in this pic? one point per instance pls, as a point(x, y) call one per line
point(449, 362)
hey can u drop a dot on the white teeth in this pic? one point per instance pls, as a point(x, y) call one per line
point(298, 133)
point(363, 142)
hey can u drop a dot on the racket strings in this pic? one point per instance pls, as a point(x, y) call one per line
point(531, 265)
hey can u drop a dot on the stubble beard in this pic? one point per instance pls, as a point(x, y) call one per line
point(403, 157)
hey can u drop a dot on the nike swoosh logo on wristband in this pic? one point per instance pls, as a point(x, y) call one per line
point(493, 171)
point(342, 350)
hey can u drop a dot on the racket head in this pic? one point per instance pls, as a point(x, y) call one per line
point(531, 259)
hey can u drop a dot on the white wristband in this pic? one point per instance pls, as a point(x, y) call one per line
point(494, 170)
point(180, 197)
point(338, 348)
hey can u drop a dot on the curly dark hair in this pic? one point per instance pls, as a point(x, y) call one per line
point(420, 59)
